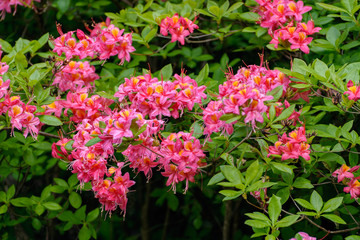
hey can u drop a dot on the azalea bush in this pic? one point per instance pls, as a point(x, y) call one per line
point(231, 119)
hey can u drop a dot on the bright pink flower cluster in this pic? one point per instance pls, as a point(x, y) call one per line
point(178, 27)
point(75, 76)
point(353, 91)
point(244, 93)
point(181, 157)
point(136, 124)
point(161, 98)
point(283, 20)
point(304, 236)
point(105, 40)
point(345, 174)
point(5, 5)
point(293, 146)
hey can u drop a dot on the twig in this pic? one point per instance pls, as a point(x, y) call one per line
point(331, 232)
point(152, 150)
point(237, 145)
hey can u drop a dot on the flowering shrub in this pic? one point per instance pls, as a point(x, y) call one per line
point(277, 136)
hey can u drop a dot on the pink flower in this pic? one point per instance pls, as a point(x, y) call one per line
point(304, 236)
point(179, 28)
point(297, 9)
point(344, 172)
point(353, 91)
point(353, 188)
point(310, 28)
point(301, 41)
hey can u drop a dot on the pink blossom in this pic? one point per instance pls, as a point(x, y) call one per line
point(353, 91)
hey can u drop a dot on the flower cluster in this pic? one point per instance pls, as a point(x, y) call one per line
point(181, 157)
point(100, 130)
point(353, 91)
point(345, 174)
point(104, 41)
point(161, 98)
point(293, 146)
point(5, 5)
point(75, 76)
point(178, 27)
point(283, 20)
point(244, 93)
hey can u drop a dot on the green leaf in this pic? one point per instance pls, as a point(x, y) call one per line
point(282, 167)
point(39, 209)
point(274, 209)
point(21, 202)
point(231, 194)
point(203, 12)
point(141, 130)
point(234, 7)
point(331, 7)
point(150, 35)
point(63, 5)
point(93, 141)
point(259, 216)
point(287, 221)
point(81, 213)
point(333, 35)
point(34, 78)
point(172, 201)
point(276, 92)
point(2, 196)
point(316, 201)
point(92, 215)
point(286, 113)
point(249, 16)
point(331, 157)
point(166, 72)
point(353, 237)
point(36, 224)
point(84, 233)
point(204, 73)
point(5, 46)
point(334, 218)
point(10, 192)
point(68, 145)
point(304, 203)
point(73, 180)
point(216, 178)
point(50, 120)
point(29, 157)
point(228, 116)
point(301, 182)
point(332, 204)
point(75, 199)
point(349, 4)
point(251, 172)
point(300, 66)
point(257, 223)
point(3, 209)
point(231, 173)
point(53, 206)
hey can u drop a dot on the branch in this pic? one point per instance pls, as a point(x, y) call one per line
point(152, 150)
point(331, 232)
point(237, 145)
